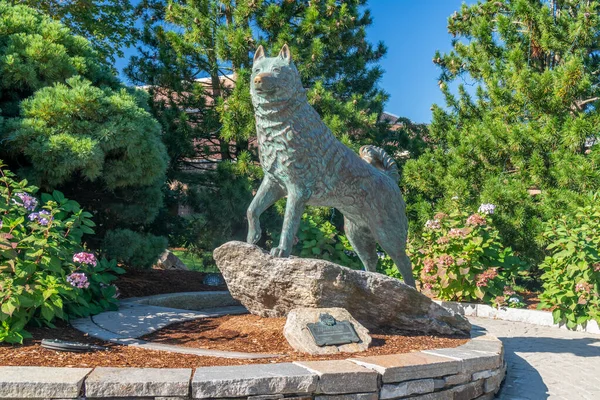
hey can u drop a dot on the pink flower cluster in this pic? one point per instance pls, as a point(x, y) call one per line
point(440, 216)
point(596, 266)
point(508, 291)
point(428, 265)
point(78, 280)
point(445, 260)
point(485, 277)
point(85, 258)
point(455, 232)
point(476, 220)
point(583, 287)
point(442, 240)
point(433, 224)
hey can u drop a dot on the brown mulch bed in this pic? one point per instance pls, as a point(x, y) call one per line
point(148, 282)
point(253, 334)
point(246, 333)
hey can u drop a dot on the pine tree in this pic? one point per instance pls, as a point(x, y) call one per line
point(70, 125)
point(196, 62)
point(107, 24)
point(523, 137)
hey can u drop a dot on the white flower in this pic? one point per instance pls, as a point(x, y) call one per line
point(454, 197)
point(513, 300)
point(487, 208)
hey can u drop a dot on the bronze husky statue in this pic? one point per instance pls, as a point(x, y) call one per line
point(304, 161)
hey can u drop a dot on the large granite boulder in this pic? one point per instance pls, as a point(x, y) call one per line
point(271, 287)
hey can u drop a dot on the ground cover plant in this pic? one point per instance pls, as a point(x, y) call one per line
point(45, 273)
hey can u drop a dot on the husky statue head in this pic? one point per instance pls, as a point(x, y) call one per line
point(274, 79)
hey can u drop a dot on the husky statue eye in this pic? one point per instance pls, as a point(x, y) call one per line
point(276, 69)
point(256, 70)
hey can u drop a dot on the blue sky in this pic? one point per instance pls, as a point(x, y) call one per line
point(412, 30)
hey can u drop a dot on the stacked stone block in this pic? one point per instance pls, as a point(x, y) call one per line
point(472, 371)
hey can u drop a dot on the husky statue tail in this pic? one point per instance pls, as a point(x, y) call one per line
point(378, 158)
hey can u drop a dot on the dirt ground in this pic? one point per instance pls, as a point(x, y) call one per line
point(148, 282)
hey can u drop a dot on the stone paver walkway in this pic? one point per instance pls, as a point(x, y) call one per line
point(546, 363)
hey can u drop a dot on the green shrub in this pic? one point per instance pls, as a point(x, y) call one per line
point(460, 257)
point(138, 250)
point(70, 125)
point(571, 277)
point(319, 238)
point(44, 273)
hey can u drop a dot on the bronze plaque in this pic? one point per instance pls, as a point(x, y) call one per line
point(328, 331)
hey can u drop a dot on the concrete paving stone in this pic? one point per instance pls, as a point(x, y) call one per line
point(403, 367)
point(248, 380)
point(266, 397)
point(200, 352)
point(138, 382)
point(487, 346)
point(484, 374)
point(468, 391)
point(41, 382)
point(134, 320)
point(457, 379)
point(355, 396)
point(487, 396)
point(199, 301)
point(492, 382)
point(341, 376)
point(394, 390)
point(471, 360)
point(439, 384)
point(443, 395)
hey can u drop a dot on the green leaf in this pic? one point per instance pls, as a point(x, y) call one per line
point(47, 312)
point(9, 307)
point(556, 315)
point(58, 196)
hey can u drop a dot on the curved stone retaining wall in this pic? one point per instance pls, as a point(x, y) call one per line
point(472, 371)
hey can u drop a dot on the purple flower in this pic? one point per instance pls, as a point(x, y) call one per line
point(27, 201)
point(486, 208)
point(42, 217)
point(78, 280)
point(85, 258)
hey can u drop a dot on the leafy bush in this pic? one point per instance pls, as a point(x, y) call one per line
point(460, 257)
point(70, 125)
point(44, 272)
point(319, 238)
point(139, 250)
point(571, 277)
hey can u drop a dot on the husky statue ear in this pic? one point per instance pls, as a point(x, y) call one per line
point(260, 53)
point(285, 53)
